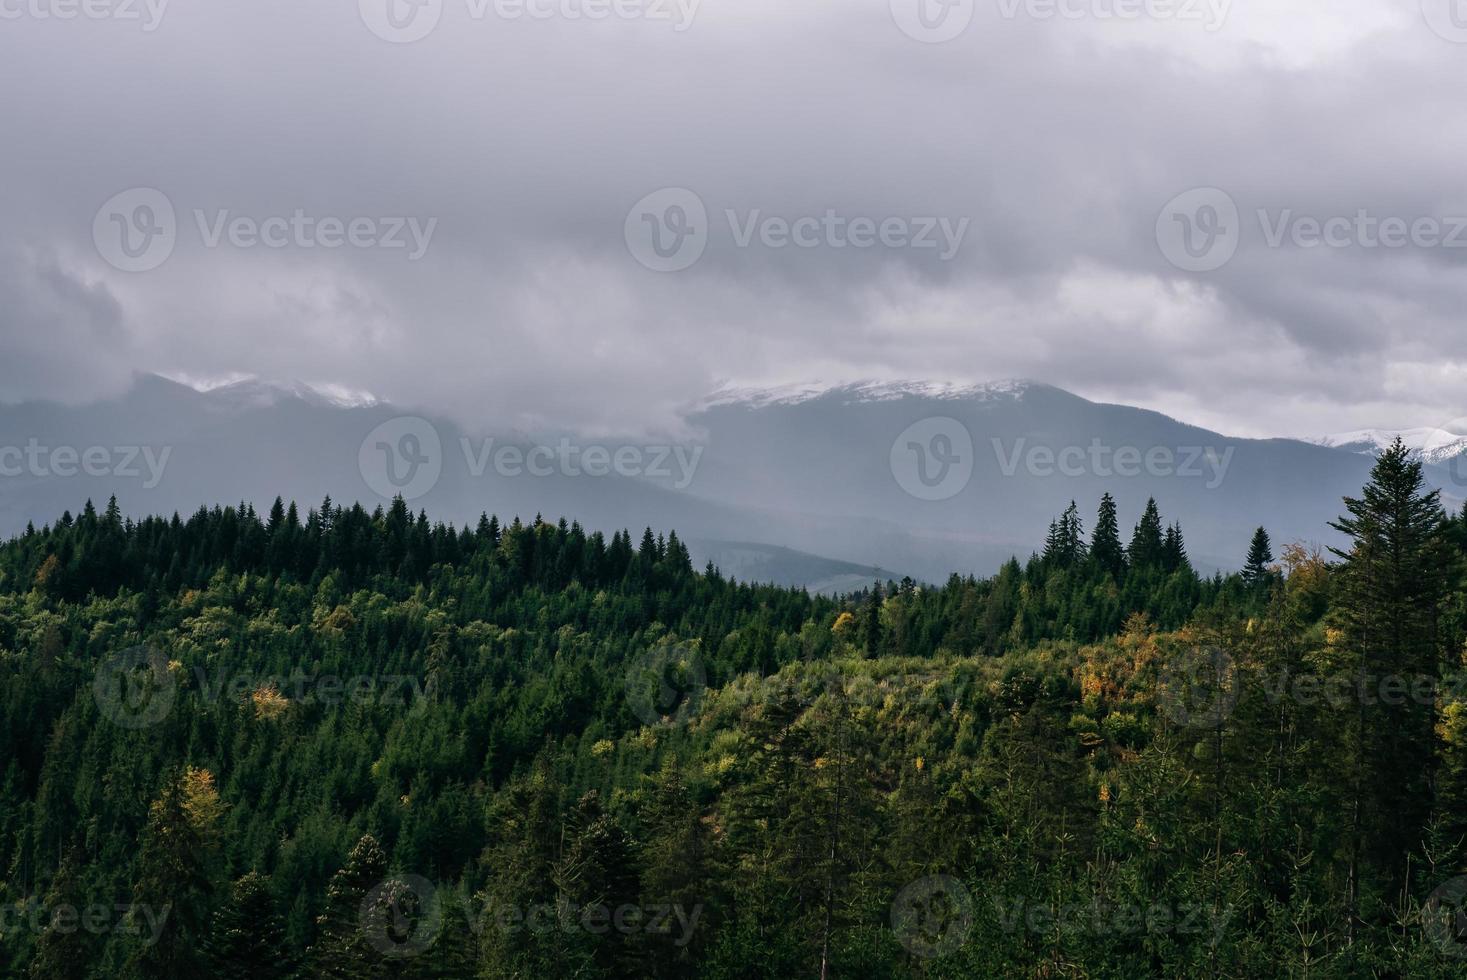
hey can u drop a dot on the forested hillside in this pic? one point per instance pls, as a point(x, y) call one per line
point(353, 744)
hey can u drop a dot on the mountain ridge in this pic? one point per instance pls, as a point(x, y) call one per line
point(824, 471)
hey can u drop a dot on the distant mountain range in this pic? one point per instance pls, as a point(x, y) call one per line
point(1438, 446)
point(827, 487)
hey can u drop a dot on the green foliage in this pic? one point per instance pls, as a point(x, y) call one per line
point(395, 748)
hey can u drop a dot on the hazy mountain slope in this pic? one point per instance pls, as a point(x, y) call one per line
point(784, 566)
point(801, 486)
point(834, 447)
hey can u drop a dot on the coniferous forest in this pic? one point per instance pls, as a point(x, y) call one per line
point(342, 743)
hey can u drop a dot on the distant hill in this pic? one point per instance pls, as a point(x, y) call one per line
point(773, 565)
point(818, 486)
point(1034, 447)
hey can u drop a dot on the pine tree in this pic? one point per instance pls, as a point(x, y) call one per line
point(1147, 546)
point(1174, 550)
point(341, 951)
point(872, 626)
point(247, 939)
point(1065, 547)
point(596, 871)
point(1260, 555)
point(174, 884)
point(1105, 545)
point(63, 953)
point(1393, 580)
point(676, 852)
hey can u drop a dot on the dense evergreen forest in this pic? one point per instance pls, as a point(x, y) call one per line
point(360, 744)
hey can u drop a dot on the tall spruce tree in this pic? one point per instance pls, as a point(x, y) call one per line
point(1174, 550)
point(1105, 544)
point(1260, 556)
point(173, 887)
point(341, 950)
point(872, 625)
point(1147, 546)
point(1065, 547)
point(63, 953)
point(1393, 580)
point(248, 939)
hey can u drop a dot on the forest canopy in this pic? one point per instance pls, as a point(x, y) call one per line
point(358, 743)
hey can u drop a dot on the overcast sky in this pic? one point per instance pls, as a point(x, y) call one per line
point(1044, 152)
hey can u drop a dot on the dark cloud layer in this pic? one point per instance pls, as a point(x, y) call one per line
point(1059, 140)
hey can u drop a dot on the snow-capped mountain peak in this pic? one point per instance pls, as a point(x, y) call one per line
point(248, 391)
point(866, 391)
point(1432, 444)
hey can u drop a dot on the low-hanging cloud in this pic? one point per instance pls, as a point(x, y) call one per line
point(1053, 140)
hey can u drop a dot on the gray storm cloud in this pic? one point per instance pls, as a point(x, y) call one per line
point(1057, 140)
